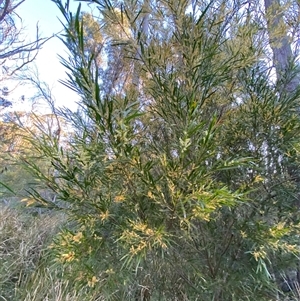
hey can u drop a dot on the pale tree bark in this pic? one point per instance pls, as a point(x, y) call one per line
point(280, 44)
point(287, 82)
point(283, 60)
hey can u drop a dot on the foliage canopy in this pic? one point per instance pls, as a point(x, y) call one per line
point(177, 178)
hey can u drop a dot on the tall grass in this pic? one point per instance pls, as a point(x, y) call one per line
point(48, 284)
point(23, 240)
point(28, 271)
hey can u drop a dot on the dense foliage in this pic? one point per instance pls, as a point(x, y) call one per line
point(180, 175)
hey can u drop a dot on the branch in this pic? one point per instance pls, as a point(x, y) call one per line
point(5, 10)
point(45, 92)
point(29, 47)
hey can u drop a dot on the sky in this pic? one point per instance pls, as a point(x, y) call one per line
point(46, 14)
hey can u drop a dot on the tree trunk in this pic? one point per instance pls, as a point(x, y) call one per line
point(288, 82)
point(281, 46)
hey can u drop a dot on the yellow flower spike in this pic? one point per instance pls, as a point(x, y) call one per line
point(93, 281)
point(68, 257)
point(150, 195)
point(149, 232)
point(28, 201)
point(142, 245)
point(259, 254)
point(104, 215)
point(243, 234)
point(258, 179)
point(163, 245)
point(139, 227)
point(77, 238)
point(110, 271)
point(119, 198)
point(133, 250)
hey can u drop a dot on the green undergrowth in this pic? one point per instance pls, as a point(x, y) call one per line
point(28, 269)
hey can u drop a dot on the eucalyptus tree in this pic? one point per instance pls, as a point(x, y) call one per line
point(175, 178)
point(282, 30)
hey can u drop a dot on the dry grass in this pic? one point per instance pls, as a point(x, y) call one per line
point(46, 285)
point(23, 240)
point(27, 272)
